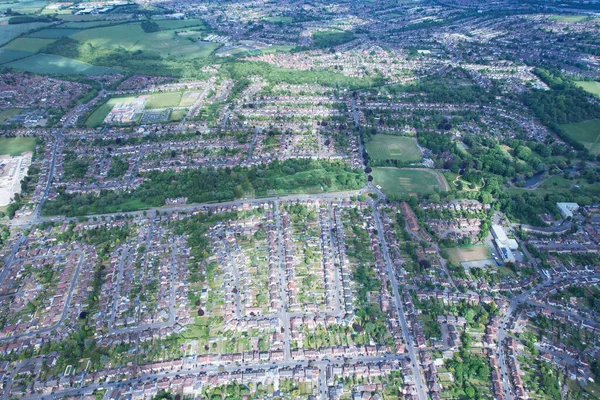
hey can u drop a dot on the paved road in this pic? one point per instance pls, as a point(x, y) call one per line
point(65, 307)
point(419, 381)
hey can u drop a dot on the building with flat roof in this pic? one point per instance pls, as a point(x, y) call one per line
point(567, 209)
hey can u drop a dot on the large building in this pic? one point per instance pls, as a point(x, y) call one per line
point(504, 244)
point(567, 209)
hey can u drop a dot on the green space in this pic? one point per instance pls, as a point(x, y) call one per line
point(9, 32)
point(132, 37)
point(177, 115)
point(8, 113)
point(52, 64)
point(559, 185)
point(458, 255)
point(97, 117)
point(7, 56)
point(585, 132)
point(154, 101)
point(390, 147)
point(28, 44)
point(592, 87)
point(280, 19)
point(16, 146)
point(330, 38)
point(209, 185)
point(397, 182)
point(52, 33)
point(23, 6)
point(163, 100)
point(568, 18)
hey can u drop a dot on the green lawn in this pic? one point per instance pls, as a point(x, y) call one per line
point(391, 147)
point(164, 100)
point(8, 113)
point(592, 87)
point(558, 184)
point(585, 132)
point(28, 44)
point(568, 18)
point(52, 64)
point(177, 115)
point(16, 146)
point(396, 181)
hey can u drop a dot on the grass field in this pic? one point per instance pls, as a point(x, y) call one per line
point(558, 184)
point(163, 100)
point(23, 6)
point(396, 181)
point(568, 18)
point(132, 37)
point(458, 255)
point(52, 64)
point(177, 115)
point(189, 98)
point(8, 113)
point(52, 33)
point(16, 146)
point(9, 32)
point(7, 56)
point(586, 133)
point(28, 44)
point(390, 147)
point(590, 86)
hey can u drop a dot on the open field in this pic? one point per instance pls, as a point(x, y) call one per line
point(568, 18)
point(51, 64)
point(558, 184)
point(52, 33)
point(390, 147)
point(9, 32)
point(8, 113)
point(396, 181)
point(132, 38)
point(458, 255)
point(28, 44)
point(586, 133)
point(163, 100)
point(16, 146)
point(592, 87)
point(7, 56)
point(23, 6)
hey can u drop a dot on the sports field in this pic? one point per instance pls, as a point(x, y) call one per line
point(458, 255)
point(16, 146)
point(51, 64)
point(592, 87)
point(397, 181)
point(391, 147)
point(585, 132)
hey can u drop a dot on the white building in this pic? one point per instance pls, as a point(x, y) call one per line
point(567, 209)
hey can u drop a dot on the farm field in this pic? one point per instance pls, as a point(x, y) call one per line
point(9, 32)
point(586, 133)
point(7, 56)
point(132, 37)
point(458, 255)
point(16, 146)
point(23, 6)
point(568, 18)
point(396, 181)
point(390, 147)
point(592, 87)
point(52, 33)
point(52, 64)
point(28, 44)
